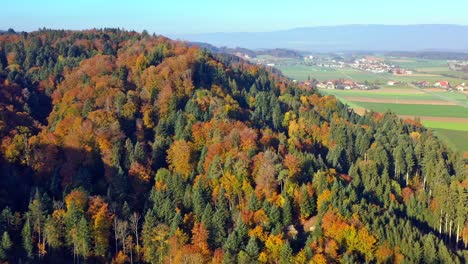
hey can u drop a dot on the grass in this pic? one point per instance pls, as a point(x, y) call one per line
point(302, 72)
point(415, 63)
point(447, 125)
point(432, 79)
point(454, 138)
point(381, 94)
point(418, 110)
point(455, 95)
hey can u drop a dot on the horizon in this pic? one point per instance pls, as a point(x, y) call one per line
point(209, 16)
point(234, 32)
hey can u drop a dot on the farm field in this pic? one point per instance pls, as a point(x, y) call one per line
point(302, 72)
point(418, 110)
point(455, 138)
point(459, 126)
point(416, 63)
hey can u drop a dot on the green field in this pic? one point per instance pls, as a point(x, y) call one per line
point(463, 98)
point(302, 72)
point(432, 79)
point(416, 63)
point(418, 110)
point(454, 138)
point(381, 94)
point(447, 125)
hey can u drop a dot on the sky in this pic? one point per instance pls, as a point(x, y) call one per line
point(204, 16)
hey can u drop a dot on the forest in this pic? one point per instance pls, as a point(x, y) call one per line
point(126, 147)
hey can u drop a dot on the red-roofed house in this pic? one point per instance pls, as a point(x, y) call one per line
point(443, 84)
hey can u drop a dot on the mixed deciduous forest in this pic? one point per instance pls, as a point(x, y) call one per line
point(126, 147)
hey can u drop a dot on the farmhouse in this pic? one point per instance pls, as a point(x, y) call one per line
point(442, 84)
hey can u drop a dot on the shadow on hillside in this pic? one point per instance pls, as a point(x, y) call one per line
point(55, 171)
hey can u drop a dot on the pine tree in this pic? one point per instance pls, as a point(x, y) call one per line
point(219, 222)
point(252, 249)
point(37, 214)
point(286, 253)
point(27, 238)
point(5, 245)
point(53, 232)
point(139, 153)
point(275, 216)
point(177, 222)
point(287, 212)
point(254, 204)
point(231, 244)
point(3, 59)
point(207, 221)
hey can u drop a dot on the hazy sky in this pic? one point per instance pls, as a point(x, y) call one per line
point(201, 16)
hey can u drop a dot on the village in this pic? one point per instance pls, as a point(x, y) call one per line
point(342, 84)
point(368, 63)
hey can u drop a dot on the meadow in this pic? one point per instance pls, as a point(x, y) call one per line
point(454, 138)
point(418, 110)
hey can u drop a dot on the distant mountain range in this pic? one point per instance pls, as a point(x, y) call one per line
point(345, 38)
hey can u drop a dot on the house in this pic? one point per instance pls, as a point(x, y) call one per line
point(330, 85)
point(391, 83)
point(424, 84)
point(460, 88)
point(321, 85)
point(442, 84)
point(398, 71)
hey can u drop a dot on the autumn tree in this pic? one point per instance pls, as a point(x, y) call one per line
point(179, 158)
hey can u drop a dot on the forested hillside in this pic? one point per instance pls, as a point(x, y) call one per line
point(126, 147)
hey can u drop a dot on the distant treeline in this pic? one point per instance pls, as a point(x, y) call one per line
point(280, 53)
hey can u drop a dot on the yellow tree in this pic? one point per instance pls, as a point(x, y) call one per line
point(179, 157)
point(101, 222)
